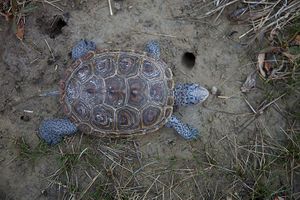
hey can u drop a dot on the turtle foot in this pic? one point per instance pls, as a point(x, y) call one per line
point(153, 48)
point(189, 94)
point(82, 47)
point(53, 130)
point(184, 130)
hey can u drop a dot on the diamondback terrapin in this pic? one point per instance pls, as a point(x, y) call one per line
point(120, 93)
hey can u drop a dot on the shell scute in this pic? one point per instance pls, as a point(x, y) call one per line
point(151, 115)
point(92, 91)
point(82, 111)
point(127, 119)
point(137, 92)
point(128, 65)
point(83, 73)
point(115, 91)
point(150, 70)
point(104, 66)
point(158, 92)
point(103, 117)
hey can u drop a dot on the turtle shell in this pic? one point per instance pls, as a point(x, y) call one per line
point(118, 93)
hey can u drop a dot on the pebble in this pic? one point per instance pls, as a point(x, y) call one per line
point(214, 90)
point(117, 6)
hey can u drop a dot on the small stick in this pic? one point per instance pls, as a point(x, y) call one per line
point(111, 159)
point(258, 113)
point(89, 186)
point(33, 61)
point(52, 4)
point(50, 93)
point(49, 49)
point(253, 110)
point(220, 7)
point(146, 193)
point(219, 15)
point(110, 8)
point(138, 154)
point(28, 111)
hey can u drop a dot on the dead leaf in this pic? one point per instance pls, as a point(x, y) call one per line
point(296, 41)
point(291, 56)
point(268, 67)
point(278, 198)
point(21, 28)
point(260, 63)
point(7, 16)
point(250, 82)
point(273, 34)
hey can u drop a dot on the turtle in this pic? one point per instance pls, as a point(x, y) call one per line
point(119, 93)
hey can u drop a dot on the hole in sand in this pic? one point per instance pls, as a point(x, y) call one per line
point(57, 24)
point(52, 26)
point(25, 118)
point(188, 59)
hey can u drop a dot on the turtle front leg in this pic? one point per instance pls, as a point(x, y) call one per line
point(152, 47)
point(184, 130)
point(82, 48)
point(189, 94)
point(52, 131)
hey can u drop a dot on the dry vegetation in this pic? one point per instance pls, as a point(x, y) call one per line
point(261, 18)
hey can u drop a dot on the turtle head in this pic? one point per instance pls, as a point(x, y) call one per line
point(189, 94)
point(197, 93)
point(82, 48)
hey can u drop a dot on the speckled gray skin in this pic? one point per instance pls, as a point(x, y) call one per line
point(81, 48)
point(53, 130)
point(184, 130)
point(187, 94)
point(153, 48)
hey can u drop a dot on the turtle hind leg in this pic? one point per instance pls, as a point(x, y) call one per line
point(52, 131)
point(153, 48)
point(82, 48)
point(184, 130)
point(189, 94)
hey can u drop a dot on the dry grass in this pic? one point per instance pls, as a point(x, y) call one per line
point(115, 170)
point(261, 17)
point(261, 165)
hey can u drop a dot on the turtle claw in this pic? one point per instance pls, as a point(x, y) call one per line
point(52, 131)
point(82, 47)
point(153, 48)
point(184, 130)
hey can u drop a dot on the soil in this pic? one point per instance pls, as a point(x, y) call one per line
point(36, 64)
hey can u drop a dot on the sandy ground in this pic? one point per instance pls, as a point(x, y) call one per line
point(28, 69)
